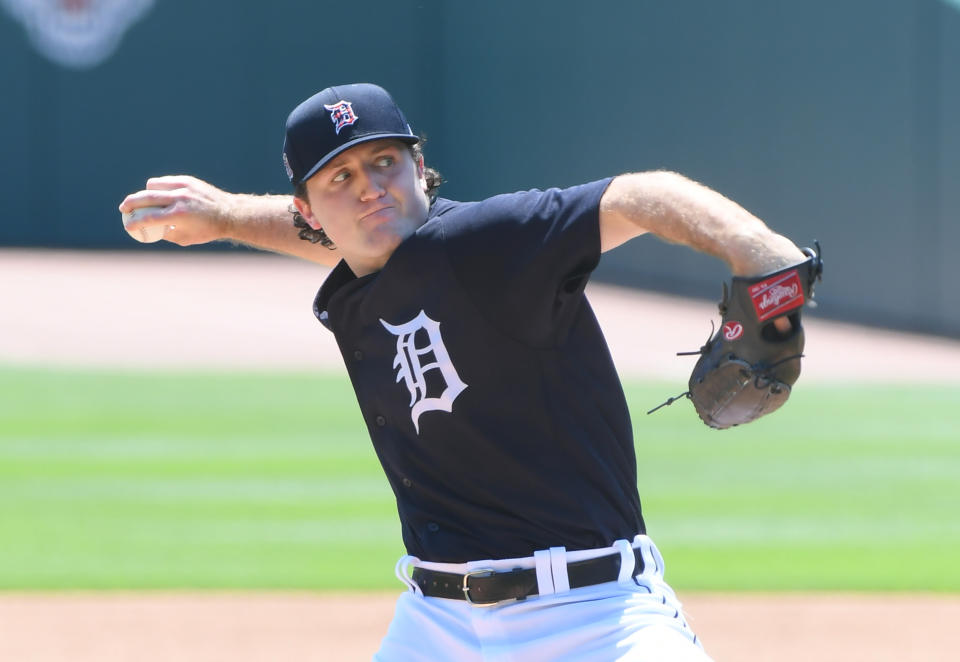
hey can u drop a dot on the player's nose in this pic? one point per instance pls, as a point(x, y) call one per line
point(370, 185)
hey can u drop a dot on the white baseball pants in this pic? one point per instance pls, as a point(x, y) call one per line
point(637, 618)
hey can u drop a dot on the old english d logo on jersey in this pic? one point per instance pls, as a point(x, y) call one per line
point(413, 372)
point(341, 114)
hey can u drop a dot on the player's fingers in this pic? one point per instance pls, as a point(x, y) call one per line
point(783, 324)
point(147, 199)
point(168, 182)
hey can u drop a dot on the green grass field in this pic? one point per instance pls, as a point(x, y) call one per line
point(249, 481)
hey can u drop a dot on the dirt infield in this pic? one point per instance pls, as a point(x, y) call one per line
point(213, 627)
point(231, 312)
point(144, 309)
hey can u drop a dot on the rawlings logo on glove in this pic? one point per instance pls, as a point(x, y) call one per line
point(746, 369)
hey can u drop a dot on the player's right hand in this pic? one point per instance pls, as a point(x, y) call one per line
point(198, 211)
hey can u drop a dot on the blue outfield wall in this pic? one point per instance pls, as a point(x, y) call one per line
point(834, 121)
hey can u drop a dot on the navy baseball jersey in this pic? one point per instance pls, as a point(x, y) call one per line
point(484, 380)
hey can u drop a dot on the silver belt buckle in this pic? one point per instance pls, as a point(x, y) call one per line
point(482, 572)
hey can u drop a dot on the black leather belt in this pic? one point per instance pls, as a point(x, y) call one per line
point(487, 587)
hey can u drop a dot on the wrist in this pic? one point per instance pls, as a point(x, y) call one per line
point(757, 255)
point(228, 217)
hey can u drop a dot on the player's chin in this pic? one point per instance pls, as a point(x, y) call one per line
point(392, 231)
point(383, 241)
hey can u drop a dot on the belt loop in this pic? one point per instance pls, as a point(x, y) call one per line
point(558, 564)
point(661, 566)
point(544, 572)
point(400, 570)
point(652, 561)
point(627, 560)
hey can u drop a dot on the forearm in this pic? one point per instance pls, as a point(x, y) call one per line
point(196, 212)
point(266, 222)
point(679, 210)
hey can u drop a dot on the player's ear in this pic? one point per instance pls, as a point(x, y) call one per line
point(421, 173)
point(307, 212)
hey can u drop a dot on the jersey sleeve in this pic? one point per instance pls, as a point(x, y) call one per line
point(525, 258)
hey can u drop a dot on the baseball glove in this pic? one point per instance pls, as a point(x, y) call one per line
point(747, 368)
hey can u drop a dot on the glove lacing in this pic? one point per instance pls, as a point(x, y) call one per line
point(762, 379)
point(703, 350)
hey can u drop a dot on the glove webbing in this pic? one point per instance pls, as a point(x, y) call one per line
point(766, 373)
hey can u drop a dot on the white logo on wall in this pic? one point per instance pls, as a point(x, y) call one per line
point(412, 371)
point(78, 34)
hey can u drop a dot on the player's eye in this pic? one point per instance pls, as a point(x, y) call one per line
point(385, 161)
point(341, 176)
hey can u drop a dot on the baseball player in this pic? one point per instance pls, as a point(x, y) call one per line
point(483, 377)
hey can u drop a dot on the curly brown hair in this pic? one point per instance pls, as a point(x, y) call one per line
point(307, 233)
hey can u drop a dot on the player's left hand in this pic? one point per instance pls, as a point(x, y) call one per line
point(747, 369)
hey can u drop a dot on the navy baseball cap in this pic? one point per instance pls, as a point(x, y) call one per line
point(336, 119)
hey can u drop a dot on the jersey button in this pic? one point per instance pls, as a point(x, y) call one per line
point(433, 527)
point(358, 355)
point(381, 421)
point(407, 482)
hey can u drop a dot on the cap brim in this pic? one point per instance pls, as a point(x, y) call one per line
point(405, 137)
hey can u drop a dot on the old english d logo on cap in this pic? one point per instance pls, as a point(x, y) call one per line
point(341, 114)
point(336, 119)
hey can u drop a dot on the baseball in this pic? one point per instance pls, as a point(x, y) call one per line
point(145, 234)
